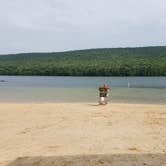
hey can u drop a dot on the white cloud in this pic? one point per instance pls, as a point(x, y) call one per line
point(57, 25)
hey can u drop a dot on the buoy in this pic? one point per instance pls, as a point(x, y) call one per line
point(128, 84)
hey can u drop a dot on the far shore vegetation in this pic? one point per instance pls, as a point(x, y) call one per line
point(140, 61)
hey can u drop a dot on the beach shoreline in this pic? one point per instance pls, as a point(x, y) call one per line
point(57, 129)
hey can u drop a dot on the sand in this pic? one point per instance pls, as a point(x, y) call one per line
point(81, 132)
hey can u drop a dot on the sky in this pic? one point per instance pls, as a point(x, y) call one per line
point(60, 25)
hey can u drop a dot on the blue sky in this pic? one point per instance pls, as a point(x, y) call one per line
point(59, 25)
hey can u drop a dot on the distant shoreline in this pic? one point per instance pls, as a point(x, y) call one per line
point(138, 61)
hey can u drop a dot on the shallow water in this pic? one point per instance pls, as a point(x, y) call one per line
point(81, 89)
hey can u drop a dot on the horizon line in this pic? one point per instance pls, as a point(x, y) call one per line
point(74, 50)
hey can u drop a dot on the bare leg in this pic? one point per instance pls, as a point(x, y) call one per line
point(101, 100)
point(106, 100)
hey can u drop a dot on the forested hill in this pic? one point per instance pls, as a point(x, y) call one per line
point(143, 61)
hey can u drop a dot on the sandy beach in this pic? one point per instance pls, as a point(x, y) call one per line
point(58, 129)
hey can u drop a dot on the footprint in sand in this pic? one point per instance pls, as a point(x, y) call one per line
point(25, 131)
point(53, 147)
point(134, 149)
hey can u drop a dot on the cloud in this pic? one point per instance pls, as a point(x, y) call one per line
point(57, 25)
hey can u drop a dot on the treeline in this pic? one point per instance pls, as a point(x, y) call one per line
point(145, 61)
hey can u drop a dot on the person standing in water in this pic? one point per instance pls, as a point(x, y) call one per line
point(103, 94)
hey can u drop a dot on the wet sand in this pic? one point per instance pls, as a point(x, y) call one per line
point(60, 129)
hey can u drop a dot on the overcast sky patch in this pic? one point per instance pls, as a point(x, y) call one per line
point(59, 25)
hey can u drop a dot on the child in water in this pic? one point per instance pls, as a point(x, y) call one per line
point(103, 94)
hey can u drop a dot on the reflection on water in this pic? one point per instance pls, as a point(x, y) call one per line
point(82, 89)
point(132, 95)
point(82, 82)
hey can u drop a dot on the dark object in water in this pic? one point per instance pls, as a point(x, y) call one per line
point(3, 81)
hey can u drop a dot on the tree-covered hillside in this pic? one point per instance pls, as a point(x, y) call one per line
point(145, 61)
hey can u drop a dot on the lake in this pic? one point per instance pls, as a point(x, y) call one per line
point(81, 89)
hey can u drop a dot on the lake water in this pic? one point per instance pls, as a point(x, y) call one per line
point(81, 89)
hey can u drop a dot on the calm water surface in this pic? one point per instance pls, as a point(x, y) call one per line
point(81, 89)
